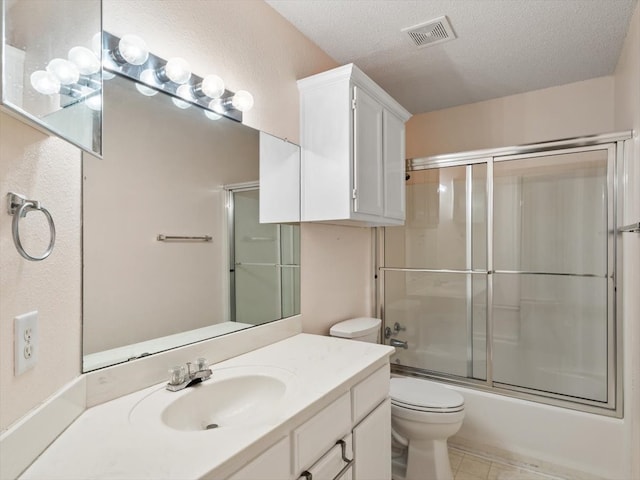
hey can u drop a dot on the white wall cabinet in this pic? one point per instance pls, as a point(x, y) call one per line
point(279, 180)
point(356, 426)
point(353, 150)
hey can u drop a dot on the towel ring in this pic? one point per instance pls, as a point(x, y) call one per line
point(19, 206)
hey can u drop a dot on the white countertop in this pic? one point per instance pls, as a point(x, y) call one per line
point(104, 443)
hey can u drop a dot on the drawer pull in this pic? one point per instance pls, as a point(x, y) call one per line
point(343, 445)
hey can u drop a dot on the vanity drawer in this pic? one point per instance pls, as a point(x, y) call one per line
point(319, 434)
point(272, 464)
point(370, 392)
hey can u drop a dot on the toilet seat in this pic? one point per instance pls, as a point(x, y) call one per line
point(424, 396)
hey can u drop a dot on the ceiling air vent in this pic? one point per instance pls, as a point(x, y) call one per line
point(429, 33)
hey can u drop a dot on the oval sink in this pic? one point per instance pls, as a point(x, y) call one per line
point(232, 398)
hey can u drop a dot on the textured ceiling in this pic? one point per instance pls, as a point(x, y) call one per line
point(503, 47)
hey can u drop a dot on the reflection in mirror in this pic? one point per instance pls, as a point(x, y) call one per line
point(265, 279)
point(164, 172)
point(51, 75)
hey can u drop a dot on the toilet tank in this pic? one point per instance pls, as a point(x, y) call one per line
point(363, 329)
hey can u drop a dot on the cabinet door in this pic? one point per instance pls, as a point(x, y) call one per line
point(279, 180)
point(367, 155)
point(372, 445)
point(394, 169)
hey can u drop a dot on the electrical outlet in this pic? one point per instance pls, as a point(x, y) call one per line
point(25, 342)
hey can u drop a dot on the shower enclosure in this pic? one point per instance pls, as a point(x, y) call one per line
point(504, 275)
point(264, 262)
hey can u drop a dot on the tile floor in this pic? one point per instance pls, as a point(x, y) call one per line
point(466, 466)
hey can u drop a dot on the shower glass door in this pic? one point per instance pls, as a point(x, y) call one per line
point(435, 275)
point(550, 287)
point(503, 275)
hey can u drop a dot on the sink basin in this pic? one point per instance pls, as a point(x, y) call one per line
point(234, 397)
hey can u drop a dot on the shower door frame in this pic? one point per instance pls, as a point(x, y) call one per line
point(614, 144)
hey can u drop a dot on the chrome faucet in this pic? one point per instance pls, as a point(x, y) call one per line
point(182, 376)
point(394, 342)
point(388, 332)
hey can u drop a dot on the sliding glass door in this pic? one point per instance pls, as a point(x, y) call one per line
point(435, 272)
point(551, 282)
point(503, 275)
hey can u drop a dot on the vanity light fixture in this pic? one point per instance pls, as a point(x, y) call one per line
point(77, 78)
point(148, 77)
point(173, 77)
point(176, 70)
point(85, 60)
point(184, 92)
point(45, 83)
point(63, 71)
point(131, 49)
point(212, 86)
point(241, 101)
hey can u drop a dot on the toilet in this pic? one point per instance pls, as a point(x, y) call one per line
point(424, 414)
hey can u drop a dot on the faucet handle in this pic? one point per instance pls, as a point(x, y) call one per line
point(177, 375)
point(398, 328)
point(202, 364)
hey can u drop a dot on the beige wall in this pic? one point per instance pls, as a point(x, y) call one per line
point(46, 169)
point(251, 47)
point(336, 275)
point(627, 104)
point(571, 110)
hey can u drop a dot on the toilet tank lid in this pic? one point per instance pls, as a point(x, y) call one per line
point(356, 327)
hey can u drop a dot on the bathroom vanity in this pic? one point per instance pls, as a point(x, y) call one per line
point(306, 404)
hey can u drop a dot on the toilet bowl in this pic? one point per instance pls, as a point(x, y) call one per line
point(424, 414)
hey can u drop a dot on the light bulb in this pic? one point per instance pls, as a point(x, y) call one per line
point(217, 105)
point(147, 76)
point(242, 101)
point(212, 116)
point(183, 91)
point(64, 71)
point(94, 102)
point(85, 60)
point(180, 103)
point(133, 49)
point(44, 82)
point(212, 86)
point(177, 70)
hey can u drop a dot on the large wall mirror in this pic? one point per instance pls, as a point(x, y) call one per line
point(50, 67)
point(173, 252)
